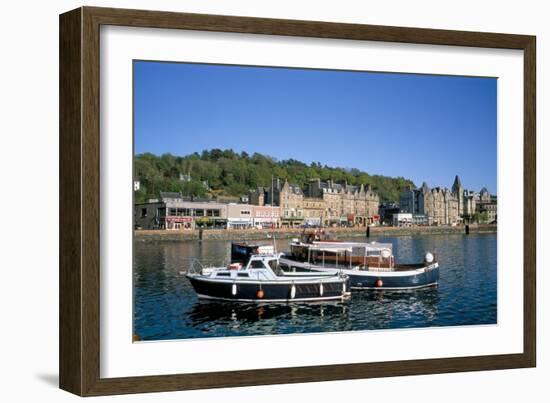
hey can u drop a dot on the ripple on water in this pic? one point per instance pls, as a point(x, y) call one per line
point(166, 307)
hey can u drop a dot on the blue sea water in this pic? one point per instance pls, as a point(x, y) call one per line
point(166, 306)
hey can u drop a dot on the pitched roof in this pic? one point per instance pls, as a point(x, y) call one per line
point(295, 188)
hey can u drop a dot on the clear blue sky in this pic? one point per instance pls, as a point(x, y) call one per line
point(423, 127)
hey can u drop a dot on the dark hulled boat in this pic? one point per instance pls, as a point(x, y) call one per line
point(264, 280)
point(369, 265)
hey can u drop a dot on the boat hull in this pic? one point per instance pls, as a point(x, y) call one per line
point(271, 291)
point(399, 279)
point(395, 280)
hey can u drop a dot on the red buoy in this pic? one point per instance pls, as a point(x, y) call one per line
point(379, 283)
point(260, 294)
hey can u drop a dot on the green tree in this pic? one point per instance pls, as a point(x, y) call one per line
point(232, 174)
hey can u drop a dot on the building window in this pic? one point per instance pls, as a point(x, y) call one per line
point(182, 212)
point(161, 211)
point(199, 212)
point(144, 212)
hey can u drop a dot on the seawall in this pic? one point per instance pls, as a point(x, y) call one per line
point(280, 233)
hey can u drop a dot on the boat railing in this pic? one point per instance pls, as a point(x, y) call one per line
point(378, 268)
point(196, 266)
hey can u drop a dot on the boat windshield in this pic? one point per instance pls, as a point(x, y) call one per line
point(273, 264)
point(276, 267)
point(256, 264)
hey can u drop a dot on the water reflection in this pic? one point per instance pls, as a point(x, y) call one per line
point(166, 307)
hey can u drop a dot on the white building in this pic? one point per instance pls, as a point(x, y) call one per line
point(240, 216)
point(402, 219)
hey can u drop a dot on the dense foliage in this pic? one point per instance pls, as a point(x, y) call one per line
point(227, 173)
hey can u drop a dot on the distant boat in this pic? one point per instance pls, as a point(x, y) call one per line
point(368, 265)
point(263, 279)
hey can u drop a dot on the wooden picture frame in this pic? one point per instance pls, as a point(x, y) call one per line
point(79, 346)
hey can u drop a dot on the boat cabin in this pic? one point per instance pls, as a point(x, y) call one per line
point(259, 267)
point(360, 255)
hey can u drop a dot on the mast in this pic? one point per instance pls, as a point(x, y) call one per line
point(272, 225)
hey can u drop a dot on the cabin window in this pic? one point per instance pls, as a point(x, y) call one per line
point(223, 274)
point(257, 264)
point(242, 275)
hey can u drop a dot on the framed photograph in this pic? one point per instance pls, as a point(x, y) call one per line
point(249, 201)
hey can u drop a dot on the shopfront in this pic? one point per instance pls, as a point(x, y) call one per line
point(239, 223)
point(178, 223)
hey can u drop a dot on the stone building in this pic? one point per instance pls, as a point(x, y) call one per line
point(438, 205)
point(444, 207)
point(486, 206)
point(314, 211)
point(257, 196)
point(466, 201)
point(289, 197)
point(344, 203)
point(323, 203)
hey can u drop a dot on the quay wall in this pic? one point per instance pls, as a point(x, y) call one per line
point(281, 233)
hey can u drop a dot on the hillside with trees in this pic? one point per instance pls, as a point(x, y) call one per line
point(215, 172)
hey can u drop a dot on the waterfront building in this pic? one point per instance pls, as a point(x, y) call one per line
point(484, 196)
point(314, 211)
point(409, 200)
point(240, 216)
point(408, 219)
point(419, 219)
point(386, 212)
point(172, 211)
point(402, 220)
point(345, 204)
point(466, 200)
point(290, 198)
point(486, 206)
point(448, 207)
point(267, 216)
point(438, 205)
point(257, 196)
point(291, 201)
